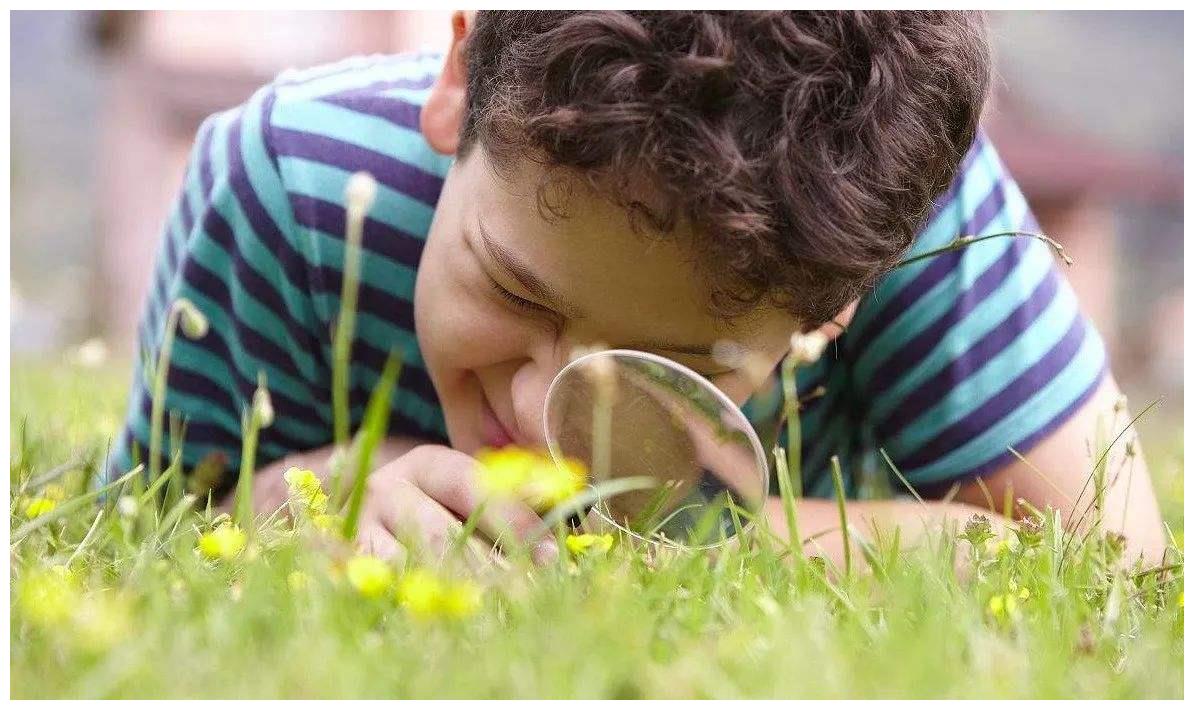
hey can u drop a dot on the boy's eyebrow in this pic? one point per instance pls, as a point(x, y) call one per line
point(524, 275)
point(538, 288)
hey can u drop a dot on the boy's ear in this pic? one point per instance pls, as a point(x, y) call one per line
point(840, 322)
point(441, 116)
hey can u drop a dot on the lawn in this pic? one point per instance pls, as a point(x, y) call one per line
point(124, 605)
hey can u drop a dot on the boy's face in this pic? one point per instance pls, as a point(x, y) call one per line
point(504, 294)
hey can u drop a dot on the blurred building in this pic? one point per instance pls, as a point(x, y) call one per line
point(1087, 113)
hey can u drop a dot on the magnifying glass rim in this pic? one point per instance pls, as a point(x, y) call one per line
point(755, 442)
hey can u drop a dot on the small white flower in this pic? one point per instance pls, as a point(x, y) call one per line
point(126, 506)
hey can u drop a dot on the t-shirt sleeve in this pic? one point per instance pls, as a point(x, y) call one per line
point(230, 247)
point(958, 357)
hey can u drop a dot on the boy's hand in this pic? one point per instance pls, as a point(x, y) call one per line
point(421, 498)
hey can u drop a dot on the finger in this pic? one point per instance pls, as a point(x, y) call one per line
point(410, 514)
point(375, 540)
point(450, 477)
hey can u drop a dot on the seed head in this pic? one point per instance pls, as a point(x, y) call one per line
point(808, 347)
point(263, 407)
point(359, 193)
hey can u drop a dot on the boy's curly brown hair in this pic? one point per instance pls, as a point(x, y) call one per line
point(804, 148)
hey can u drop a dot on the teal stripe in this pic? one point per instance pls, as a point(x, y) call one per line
point(250, 246)
point(248, 311)
point(344, 76)
point(1017, 287)
point(378, 271)
point(247, 366)
point(325, 182)
point(408, 404)
point(199, 361)
point(1031, 416)
point(362, 130)
point(938, 299)
point(978, 182)
point(969, 395)
point(381, 334)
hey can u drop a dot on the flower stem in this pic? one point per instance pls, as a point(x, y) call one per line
point(965, 241)
point(157, 411)
point(839, 490)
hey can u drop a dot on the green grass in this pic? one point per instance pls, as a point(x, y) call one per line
point(156, 620)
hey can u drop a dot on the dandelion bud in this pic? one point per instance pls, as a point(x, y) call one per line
point(359, 193)
point(807, 347)
point(191, 319)
point(263, 408)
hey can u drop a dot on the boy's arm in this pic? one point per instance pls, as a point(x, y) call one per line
point(1056, 472)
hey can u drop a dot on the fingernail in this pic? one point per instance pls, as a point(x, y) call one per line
point(545, 551)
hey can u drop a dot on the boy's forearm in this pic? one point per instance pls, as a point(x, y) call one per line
point(819, 519)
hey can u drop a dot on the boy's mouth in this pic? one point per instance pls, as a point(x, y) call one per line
point(493, 433)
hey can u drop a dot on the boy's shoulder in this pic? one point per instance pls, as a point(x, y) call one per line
point(321, 124)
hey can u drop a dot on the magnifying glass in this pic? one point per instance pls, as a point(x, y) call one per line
point(625, 413)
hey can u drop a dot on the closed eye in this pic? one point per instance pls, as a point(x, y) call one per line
point(513, 298)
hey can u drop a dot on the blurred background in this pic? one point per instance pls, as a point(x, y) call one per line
point(1086, 111)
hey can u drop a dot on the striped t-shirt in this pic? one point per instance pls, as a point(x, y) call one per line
point(946, 364)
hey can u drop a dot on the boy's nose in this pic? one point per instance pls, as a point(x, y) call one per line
point(528, 391)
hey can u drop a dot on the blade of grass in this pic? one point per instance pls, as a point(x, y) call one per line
point(839, 489)
point(373, 428)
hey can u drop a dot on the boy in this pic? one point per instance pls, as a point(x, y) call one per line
point(657, 181)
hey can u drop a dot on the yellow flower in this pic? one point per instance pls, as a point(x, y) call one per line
point(1020, 592)
point(461, 599)
point(504, 472)
point(587, 543)
point(39, 506)
point(326, 522)
point(47, 597)
point(419, 591)
point(996, 605)
point(298, 581)
point(224, 543)
point(306, 491)
point(532, 476)
point(370, 576)
point(552, 484)
point(425, 596)
point(1181, 599)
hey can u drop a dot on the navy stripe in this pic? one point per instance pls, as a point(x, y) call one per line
point(1005, 457)
point(221, 233)
point(938, 269)
point(398, 176)
point(294, 266)
point(961, 367)
point(889, 370)
point(378, 237)
point(388, 108)
point(1003, 402)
